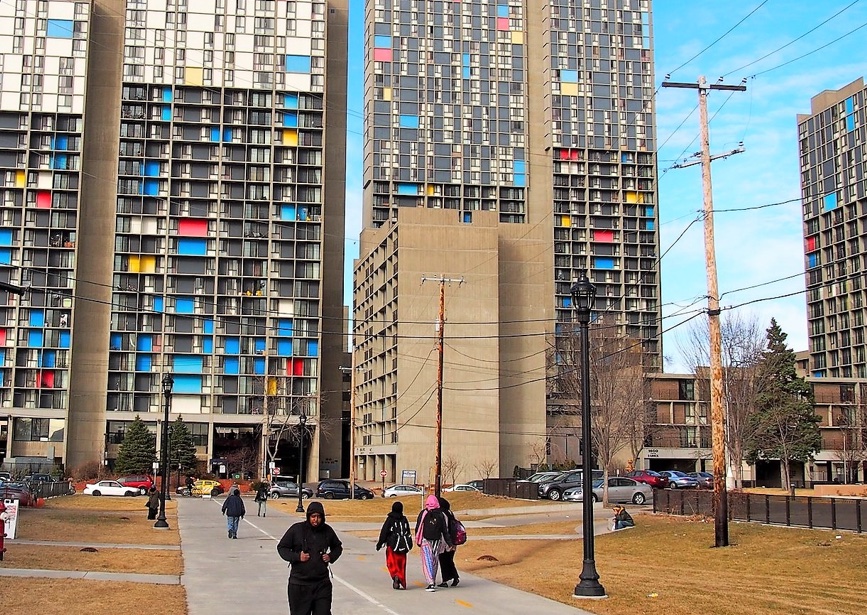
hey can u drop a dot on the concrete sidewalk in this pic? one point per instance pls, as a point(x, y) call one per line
point(222, 575)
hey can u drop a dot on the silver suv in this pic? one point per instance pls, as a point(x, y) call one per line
point(554, 488)
point(282, 487)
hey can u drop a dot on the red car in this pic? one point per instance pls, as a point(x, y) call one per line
point(142, 481)
point(654, 479)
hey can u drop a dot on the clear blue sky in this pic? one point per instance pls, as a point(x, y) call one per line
point(753, 248)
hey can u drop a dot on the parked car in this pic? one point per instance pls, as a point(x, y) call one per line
point(287, 489)
point(201, 487)
point(38, 478)
point(539, 477)
point(705, 479)
point(679, 480)
point(620, 489)
point(648, 476)
point(333, 489)
point(5, 476)
point(142, 482)
point(461, 487)
point(553, 489)
point(16, 491)
point(398, 490)
point(478, 484)
point(110, 487)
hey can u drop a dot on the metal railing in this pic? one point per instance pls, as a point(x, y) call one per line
point(795, 511)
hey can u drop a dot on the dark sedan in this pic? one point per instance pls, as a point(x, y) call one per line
point(332, 489)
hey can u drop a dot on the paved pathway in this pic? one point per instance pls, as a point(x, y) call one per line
point(257, 576)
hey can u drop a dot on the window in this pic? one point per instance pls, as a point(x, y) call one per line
point(38, 430)
point(686, 389)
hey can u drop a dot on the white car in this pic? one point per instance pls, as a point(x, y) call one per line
point(620, 489)
point(461, 488)
point(396, 490)
point(110, 487)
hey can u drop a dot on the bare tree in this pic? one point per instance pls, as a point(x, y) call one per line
point(452, 466)
point(619, 390)
point(486, 467)
point(742, 344)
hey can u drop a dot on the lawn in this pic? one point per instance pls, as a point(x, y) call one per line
point(666, 565)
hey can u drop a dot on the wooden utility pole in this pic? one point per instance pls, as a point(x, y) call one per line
point(717, 412)
point(438, 459)
point(351, 371)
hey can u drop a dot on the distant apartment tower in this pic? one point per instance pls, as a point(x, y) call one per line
point(541, 113)
point(215, 221)
point(833, 194)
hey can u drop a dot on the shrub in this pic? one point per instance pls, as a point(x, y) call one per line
point(87, 470)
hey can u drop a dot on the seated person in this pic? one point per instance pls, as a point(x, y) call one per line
point(622, 519)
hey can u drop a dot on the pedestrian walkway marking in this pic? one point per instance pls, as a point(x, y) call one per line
point(254, 526)
point(469, 605)
point(367, 597)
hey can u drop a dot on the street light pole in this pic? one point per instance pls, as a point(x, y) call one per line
point(168, 382)
point(302, 421)
point(583, 297)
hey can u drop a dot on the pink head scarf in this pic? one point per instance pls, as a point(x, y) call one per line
point(431, 503)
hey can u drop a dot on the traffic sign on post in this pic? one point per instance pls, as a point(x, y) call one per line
point(383, 473)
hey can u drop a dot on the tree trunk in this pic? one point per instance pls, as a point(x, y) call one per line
point(784, 474)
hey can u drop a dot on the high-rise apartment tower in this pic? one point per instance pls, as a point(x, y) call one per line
point(537, 117)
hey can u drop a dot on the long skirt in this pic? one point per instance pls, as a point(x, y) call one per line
point(447, 565)
point(430, 551)
point(396, 563)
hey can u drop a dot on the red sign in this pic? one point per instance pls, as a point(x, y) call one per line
point(383, 474)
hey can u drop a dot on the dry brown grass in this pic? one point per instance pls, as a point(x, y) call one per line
point(377, 508)
point(141, 561)
point(666, 566)
point(81, 597)
point(82, 518)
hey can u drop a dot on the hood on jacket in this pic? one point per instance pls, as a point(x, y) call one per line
point(315, 507)
point(397, 509)
point(431, 502)
point(444, 504)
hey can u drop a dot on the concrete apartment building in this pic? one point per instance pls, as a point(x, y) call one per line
point(526, 122)
point(176, 203)
point(831, 141)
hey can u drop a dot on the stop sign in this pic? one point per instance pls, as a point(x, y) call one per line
point(383, 474)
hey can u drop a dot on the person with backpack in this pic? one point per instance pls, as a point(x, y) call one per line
point(447, 557)
point(397, 538)
point(262, 499)
point(431, 535)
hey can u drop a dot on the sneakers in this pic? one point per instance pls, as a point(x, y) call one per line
point(443, 584)
point(455, 582)
point(230, 534)
point(430, 588)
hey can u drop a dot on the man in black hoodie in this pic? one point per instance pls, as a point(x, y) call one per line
point(309, 546)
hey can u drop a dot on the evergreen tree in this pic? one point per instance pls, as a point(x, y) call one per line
point(137, 453)
point(182, 450)
point(784, 424)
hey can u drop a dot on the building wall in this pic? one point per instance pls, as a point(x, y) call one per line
point(542, 115)
point(833, 193)
point(212, 246)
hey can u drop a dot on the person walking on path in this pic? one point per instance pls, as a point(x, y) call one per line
point(309, 547)
point(234, 510)
point(397, 538)
point(432, 536)
point(153, 503)
point(447, 557)
point(262, 498)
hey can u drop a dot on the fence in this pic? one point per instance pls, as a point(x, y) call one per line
point(511, 488)
point(50, 490)
point(800, 511)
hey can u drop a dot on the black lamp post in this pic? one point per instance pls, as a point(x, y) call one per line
point(302, 421)
point(168, 383)
point(583, 297)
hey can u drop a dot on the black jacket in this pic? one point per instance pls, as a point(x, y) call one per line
point(234, 506)
point(304, 537)
point(261, 494)
point(394, 525)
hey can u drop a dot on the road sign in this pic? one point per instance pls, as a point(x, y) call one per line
point(383, 473)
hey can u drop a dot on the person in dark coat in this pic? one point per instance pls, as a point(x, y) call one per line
point(622, 519)
point(309, 547)
point(447, 557)
point(234, 510)
point(262, 498)
point(153, 503)
point(397, 538)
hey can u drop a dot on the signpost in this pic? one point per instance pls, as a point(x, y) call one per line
point(383, 474)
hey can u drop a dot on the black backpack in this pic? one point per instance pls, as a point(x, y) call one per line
point(400, 538)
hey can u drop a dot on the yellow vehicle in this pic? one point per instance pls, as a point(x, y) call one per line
point(202, 487)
